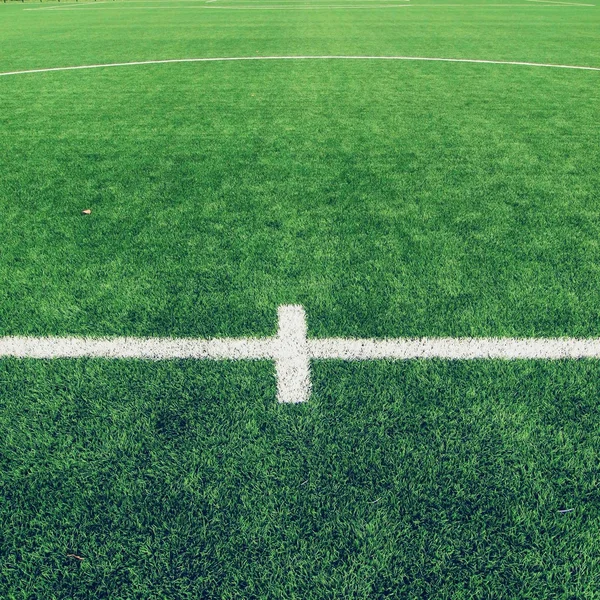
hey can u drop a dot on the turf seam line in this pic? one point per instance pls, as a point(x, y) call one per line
point(292, 350)
point(300, 57)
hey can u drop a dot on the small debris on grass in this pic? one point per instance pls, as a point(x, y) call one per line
point(75, 556)
point(87, 211)
point(566, 510)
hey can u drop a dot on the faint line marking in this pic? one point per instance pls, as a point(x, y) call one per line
point(561, 3)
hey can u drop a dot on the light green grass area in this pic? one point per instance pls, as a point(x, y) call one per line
point(391, 199)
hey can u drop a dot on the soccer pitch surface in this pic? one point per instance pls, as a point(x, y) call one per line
point(326, 206)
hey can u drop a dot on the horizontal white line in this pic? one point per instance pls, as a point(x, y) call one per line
point(301, 57)
point(317, 349)
point(118, 3)
point(561, 3)
point(299, 7)
point(455, 348)
point(308, 7)
point(142, 348)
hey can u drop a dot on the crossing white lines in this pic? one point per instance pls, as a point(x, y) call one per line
point(292, 350)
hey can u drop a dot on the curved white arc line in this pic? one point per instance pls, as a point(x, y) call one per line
point(305, 57)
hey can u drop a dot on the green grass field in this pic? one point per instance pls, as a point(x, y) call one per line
point(390, 199)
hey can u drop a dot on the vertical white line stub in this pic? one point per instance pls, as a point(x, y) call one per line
point(292, 361)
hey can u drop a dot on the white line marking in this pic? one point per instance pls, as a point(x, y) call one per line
point(142, 348)
point(254, 58)
point(79, 5)
point(292, 350)
point(111, 2)
point(308, 7)
point(561, 3)
point(292, 362)
point(300, 7)
point(118, 3)
point(455, 348)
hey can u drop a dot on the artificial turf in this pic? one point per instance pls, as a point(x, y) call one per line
point(390, 199)
point(186, 480)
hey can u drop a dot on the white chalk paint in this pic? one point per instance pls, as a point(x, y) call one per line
point(455, 348)
point(142, 348)
point(92, 6)
point(299, 7)
point(284, 58)
point(561, 3)
point(292, 350)
point(292, 359)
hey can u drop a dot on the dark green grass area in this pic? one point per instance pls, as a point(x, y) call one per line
point(407, 480)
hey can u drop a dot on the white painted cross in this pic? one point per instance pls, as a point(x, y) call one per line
point(292, 350)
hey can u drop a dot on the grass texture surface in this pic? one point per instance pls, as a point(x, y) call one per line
point(391, 199)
